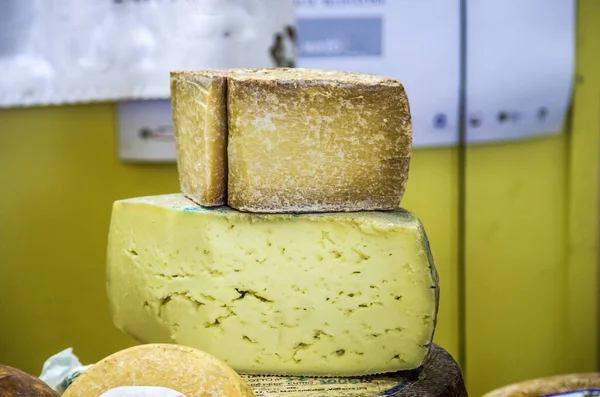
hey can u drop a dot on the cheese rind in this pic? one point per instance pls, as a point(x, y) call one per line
point(199, 109)
point(16, 383)
point(189, 371)
point(312, 294)
point(300, 140)
point(316, 141)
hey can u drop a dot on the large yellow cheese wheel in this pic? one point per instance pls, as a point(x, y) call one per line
point(184, 369)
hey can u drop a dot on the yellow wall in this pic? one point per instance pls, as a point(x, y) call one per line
point(515, 257)
point(59, 175)
point(531, 242)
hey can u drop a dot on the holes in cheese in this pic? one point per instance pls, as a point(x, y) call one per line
point(299, 140)
point(312, 294)
point(191, 372)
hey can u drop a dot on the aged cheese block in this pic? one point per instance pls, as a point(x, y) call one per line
point(439, 376)
point(187, 370)
point(311, 294)
point(299, 140)
point(16, 383)
point(199, 107)
point(571, 385)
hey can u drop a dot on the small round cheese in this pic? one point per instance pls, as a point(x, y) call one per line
point(581, 384)
point(191, 372)
point(16, 383)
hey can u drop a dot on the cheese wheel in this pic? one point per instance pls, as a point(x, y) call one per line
point(187, 370)
point(16, 383)
point(291, 140)
point(588, 384)
point(440, 376)
point(338, 294)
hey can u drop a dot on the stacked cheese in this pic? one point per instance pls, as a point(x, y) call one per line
point(287, 252)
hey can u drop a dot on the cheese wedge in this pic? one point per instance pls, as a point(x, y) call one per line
point(199, 107)
point(313, 294)
point(187, 370)
point(298, 140)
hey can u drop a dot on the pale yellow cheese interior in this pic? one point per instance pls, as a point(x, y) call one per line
point(313, 294)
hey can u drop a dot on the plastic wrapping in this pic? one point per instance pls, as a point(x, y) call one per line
point(57, 51)
point(60, 370)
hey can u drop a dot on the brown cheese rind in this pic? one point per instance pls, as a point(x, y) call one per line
point(16, 383)
point(440, 376)
point(302, 140)
point(184, 369)
point(315, 141)
point(200, 129)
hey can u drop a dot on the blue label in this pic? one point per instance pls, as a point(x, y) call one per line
point(331, 37)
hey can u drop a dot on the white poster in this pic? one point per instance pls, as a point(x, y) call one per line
point(414, 41)
point(520, 66)
point(69, 51)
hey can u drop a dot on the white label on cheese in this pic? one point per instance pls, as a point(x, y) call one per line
point(577, 393)
point(141, 391)
point(310, 386)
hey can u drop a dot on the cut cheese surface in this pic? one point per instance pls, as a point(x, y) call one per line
point(312, 294)
point(199, 110)
point(191, 372)
point(302, 140)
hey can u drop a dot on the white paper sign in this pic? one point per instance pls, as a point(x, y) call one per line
point(414, 41)
point(66, 51)
point(520, 65)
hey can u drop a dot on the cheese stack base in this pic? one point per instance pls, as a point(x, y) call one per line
point(340, 294)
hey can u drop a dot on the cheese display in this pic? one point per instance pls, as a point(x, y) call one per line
point(190, 372)
point(311, 294)
point(298, 140)
point(439, 376)
point(570, 385)
point(16, 383)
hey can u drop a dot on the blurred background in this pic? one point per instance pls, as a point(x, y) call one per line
point(505, 97)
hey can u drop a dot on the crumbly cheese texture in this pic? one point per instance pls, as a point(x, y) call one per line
point(304, 140)
point(199, 108)
point(187, 370)
point(312, 294)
